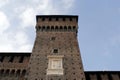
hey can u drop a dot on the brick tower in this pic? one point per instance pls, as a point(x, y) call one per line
point(56, 55)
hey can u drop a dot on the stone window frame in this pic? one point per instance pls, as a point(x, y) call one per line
point(57, 70)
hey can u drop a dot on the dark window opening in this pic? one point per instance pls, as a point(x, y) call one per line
point(73, 27)
point(2, 71)
point(7, 71)
point(98, 77)
point(12, 72)
point(43, 27)
point(53, 38)
point(18, 73)
point(63, 19)
point(11, 59)
point(52, 27)
point(43, 19)
point(119, 76)
point(110, 77)
point(69, 27)
point(48, 27)
point(21, 59)
point(50, 19)
point(55, 51)
point(87, 76)
point(70, 19)
point(39, 27)
point(65, 27)
point(56, 19)
point(56, 27)
point(2, 58)
point(61, 27)
point(23, 72)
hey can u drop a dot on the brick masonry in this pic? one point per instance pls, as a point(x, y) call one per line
point(64, 31)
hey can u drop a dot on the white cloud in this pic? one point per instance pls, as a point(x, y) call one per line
point(15, 42)
point(27, 12)
point(3, 2)
point(15, 39)
point(27, 17)
point(25, 48)
point(68, 3)
point(4, 22)
point(20, 38)
point(6, 48)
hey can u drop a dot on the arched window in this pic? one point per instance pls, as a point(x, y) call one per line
point(48, 27)
point(63, 19)
point(43, 19)
point(7, 71)
point(23, 72)
point(39, 27)
point(61, 27)
point(52, 27)
point(57, 19)
point(69, 27)
point(2, 71)
point(70, 19)
point(74, 27)
point(43, 27)
point(56, 27)
point(18, 72)
point(12, 72)
point(50, 19)
point(65, 27)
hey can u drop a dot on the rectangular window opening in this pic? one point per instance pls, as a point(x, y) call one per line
point(55, 51)
point(21, 59)
point(11, 59)
point(2, 58)
point(53, 38)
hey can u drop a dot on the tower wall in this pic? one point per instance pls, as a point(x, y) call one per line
point(56, 36)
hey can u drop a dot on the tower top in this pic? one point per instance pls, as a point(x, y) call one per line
point(56, 16)
point(56, 23)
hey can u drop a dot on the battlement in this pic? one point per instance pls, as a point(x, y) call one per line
point(56, 23)
point(56, 18)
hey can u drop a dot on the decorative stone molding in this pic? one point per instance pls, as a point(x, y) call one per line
point(55, 65)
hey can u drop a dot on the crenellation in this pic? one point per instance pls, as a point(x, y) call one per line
point(11, 70)
point(6, 59)
point(57, 18)
point(11, 59)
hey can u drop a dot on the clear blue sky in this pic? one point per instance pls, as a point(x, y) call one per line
point(98, 34)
